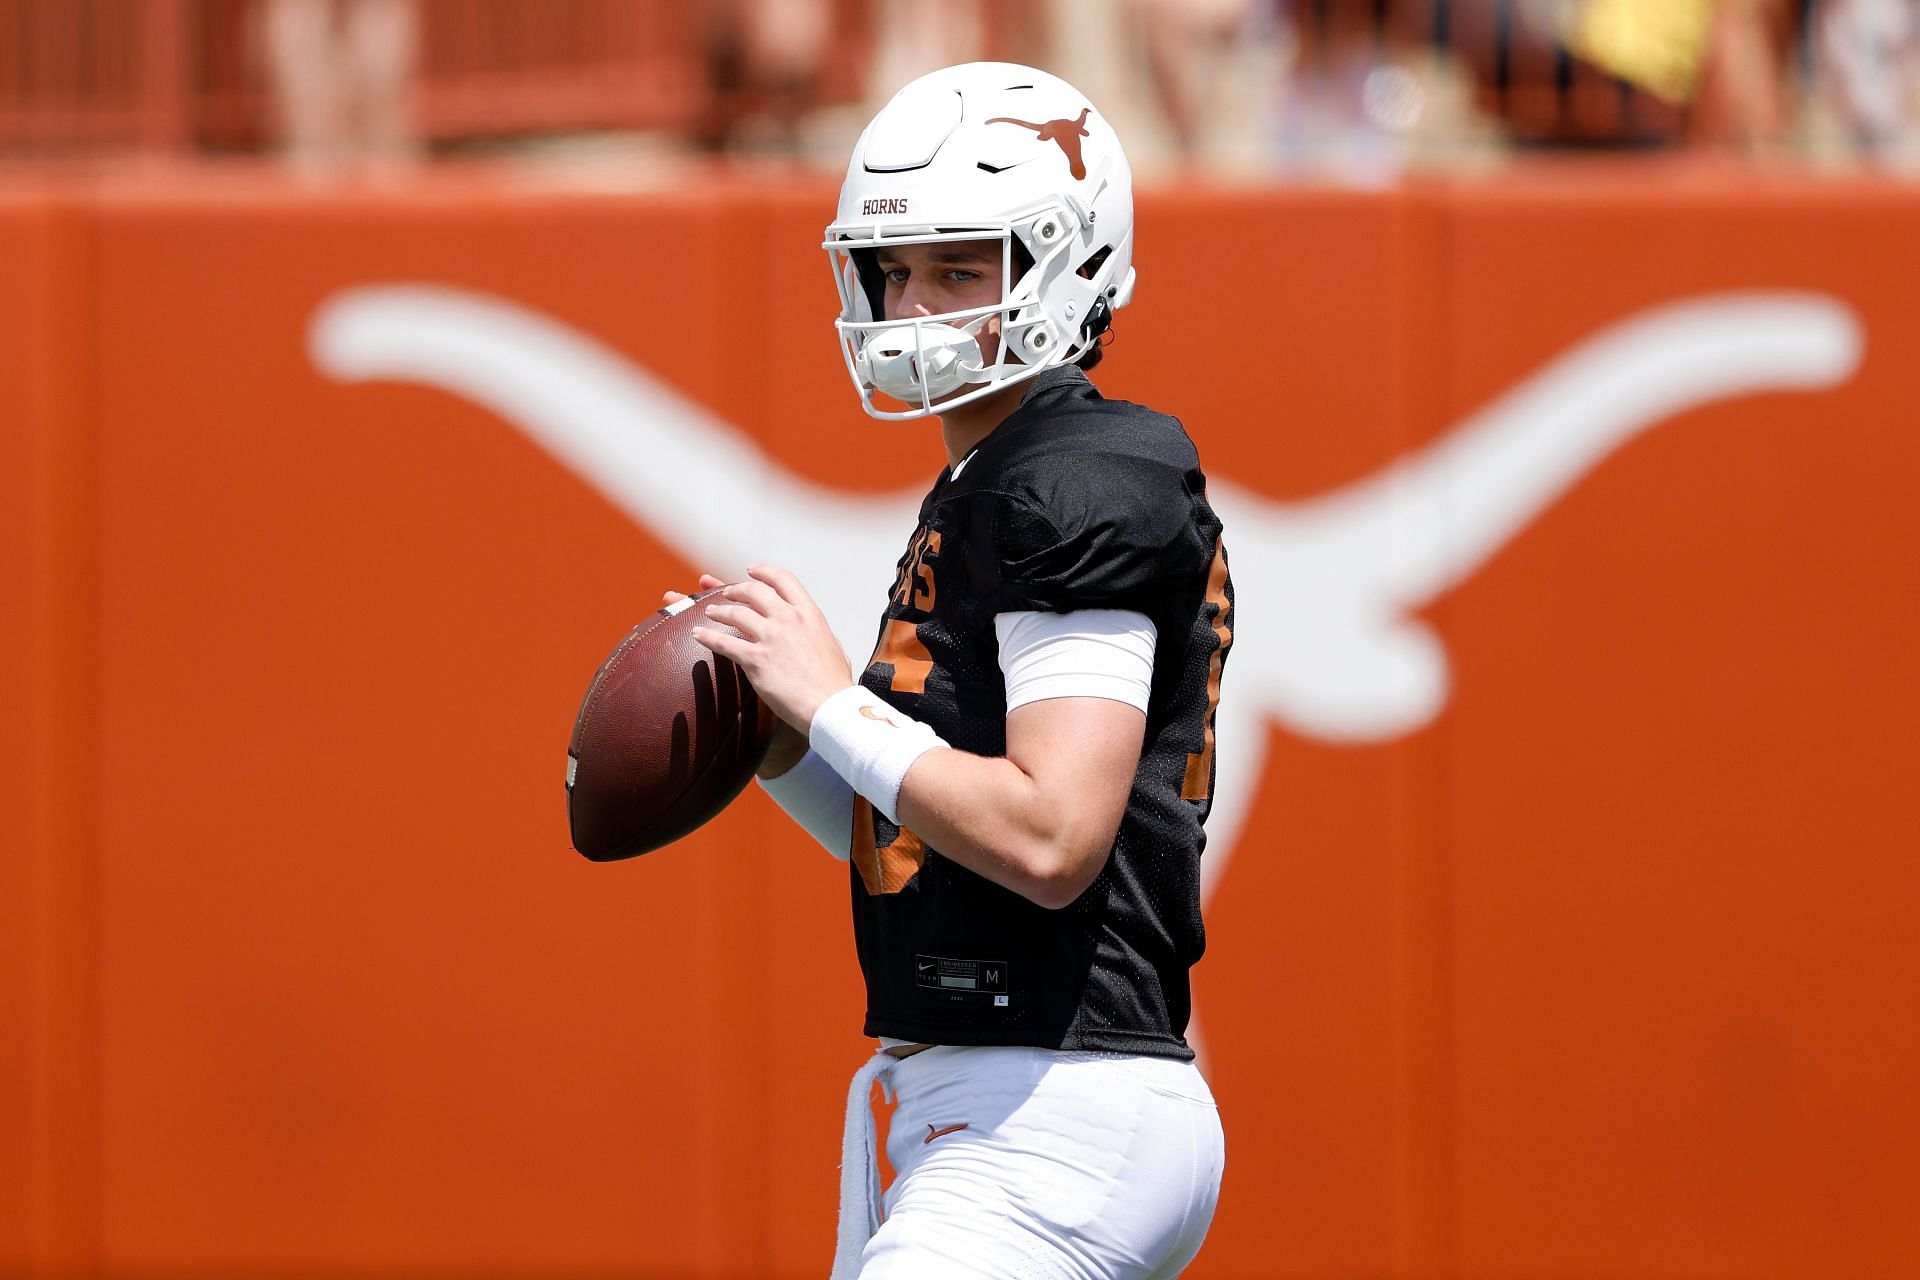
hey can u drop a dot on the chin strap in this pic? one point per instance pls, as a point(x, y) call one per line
point(1099, 319)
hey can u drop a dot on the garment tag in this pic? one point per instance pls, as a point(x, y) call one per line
point(948, 974)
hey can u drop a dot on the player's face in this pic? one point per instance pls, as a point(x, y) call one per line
point(933, 279)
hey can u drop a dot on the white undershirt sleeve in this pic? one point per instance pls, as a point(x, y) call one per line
point(1087, 653)
point(819, 799)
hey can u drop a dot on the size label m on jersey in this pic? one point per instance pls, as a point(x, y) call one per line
point(947, 974)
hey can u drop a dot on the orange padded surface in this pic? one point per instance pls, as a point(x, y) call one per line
point(1605, 969)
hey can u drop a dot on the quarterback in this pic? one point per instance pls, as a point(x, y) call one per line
point(1020, 776)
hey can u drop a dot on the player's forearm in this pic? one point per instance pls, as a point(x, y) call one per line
point(993, 818)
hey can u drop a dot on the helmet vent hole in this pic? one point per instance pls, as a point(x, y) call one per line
point(1095, 260)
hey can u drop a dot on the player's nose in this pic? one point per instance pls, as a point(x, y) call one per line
point(915, 300)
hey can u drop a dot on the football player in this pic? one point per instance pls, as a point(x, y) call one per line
point(1020, 776)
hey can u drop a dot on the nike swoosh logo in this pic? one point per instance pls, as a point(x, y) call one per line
point(960, 466)
point(933, 1133)
point(871, 714)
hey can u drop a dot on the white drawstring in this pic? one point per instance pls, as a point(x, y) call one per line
point(860, 1166)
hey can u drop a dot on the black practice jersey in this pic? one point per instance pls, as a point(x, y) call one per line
point(1074, 502)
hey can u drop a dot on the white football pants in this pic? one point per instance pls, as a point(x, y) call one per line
point(1039, 1164)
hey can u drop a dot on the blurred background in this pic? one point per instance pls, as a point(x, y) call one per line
point(368, 367)
point(1301, 90)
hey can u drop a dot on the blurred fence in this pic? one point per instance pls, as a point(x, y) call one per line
point(174, 75)
point(486, 68)
point(1523, 71)
point(113, 73)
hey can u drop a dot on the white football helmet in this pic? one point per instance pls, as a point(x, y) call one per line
point(988, 150)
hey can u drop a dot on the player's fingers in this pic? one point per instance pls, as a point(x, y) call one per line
point(739, 617)
point(755, 595)
point(707, 583)
point(723, 643)
point(782, 581)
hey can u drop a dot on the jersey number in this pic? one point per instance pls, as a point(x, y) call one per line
point(900, 647)
point(887, 870)
point(1199, 783)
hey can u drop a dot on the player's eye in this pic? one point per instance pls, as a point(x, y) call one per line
point(960, 275)
point(894, 275)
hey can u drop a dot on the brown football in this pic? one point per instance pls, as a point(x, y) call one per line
point(668, 734)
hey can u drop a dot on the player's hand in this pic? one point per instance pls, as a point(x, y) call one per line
point(785, 645)
point(788, 744)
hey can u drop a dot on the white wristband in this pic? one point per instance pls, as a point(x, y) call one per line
point(819, 799)
point(870, 745)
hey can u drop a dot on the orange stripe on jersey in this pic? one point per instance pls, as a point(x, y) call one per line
point(883, 870)
point(900, 648)
point(1199, 780)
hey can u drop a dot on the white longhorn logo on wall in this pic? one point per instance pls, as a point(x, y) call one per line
point(1326, 640)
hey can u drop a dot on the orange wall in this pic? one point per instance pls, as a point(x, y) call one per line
point(18, 1005)
point(1604, 970)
